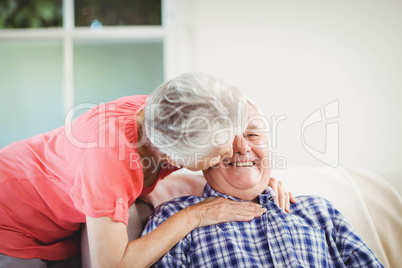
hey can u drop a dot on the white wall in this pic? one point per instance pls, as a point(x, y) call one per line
point(294, 57)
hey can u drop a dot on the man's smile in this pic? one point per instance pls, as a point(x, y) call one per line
point(242, 164)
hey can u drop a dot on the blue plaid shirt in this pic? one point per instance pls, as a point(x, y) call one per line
point(313, 234)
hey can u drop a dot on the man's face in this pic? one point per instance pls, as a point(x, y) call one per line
point(211, 159)
point(246, 174)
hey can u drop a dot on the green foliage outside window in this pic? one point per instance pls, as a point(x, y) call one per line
point(118, 12)
point(30, 13)
point(49, 13)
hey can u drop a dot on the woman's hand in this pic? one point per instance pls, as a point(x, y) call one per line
point(282, 198)
point(218, 209)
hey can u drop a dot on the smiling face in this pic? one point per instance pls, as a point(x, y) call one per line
point(211, 159)
point(202, 162)
point(246, 174)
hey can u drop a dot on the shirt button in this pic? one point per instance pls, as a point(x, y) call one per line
point(120, 200)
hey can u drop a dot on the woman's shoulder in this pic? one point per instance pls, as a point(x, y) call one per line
point(135, 102)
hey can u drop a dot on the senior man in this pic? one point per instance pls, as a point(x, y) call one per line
point(313, 234)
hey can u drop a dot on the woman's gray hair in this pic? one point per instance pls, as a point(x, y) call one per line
point(193, 113)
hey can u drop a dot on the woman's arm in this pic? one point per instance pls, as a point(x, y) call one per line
point(108, 240)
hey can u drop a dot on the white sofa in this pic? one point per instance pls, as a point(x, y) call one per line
point(369, 203)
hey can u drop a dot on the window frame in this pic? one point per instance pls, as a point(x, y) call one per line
point(69, 33)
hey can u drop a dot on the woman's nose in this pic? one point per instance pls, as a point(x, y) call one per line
point(229, 154)
point(240, 145)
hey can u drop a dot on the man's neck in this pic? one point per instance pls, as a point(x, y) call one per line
point(246, 196)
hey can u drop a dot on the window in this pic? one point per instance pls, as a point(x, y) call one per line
point(117, 12)
point(15, 14)
point(56, 54)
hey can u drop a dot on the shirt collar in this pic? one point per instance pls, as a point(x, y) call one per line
point(266, 196)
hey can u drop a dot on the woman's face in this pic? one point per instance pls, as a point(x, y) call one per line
point(212, 159)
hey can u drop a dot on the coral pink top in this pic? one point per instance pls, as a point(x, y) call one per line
point(50, 182)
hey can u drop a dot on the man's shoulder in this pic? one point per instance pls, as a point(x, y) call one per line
point(175, 205)
point(314, 205)
point(314, 200)
point(167, 209)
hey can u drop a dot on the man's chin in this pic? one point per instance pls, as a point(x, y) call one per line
point(241, 184)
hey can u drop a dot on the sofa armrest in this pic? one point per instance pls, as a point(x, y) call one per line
point(339, 186)
point(384, 205)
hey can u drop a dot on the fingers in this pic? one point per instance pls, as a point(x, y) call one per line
point(241, 209)
point(282, 198)
point(273, 183)
point(287, 202)
point(292, 198)
point(218, 210)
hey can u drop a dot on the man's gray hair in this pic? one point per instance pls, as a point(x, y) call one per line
point(254, 105)
point(193, 112)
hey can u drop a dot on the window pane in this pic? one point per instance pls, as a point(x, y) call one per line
point(117, 12)
point(107, 71)
point(31, 100)
point(30, 14)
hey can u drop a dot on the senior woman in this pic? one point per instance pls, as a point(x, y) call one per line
point(92, 170)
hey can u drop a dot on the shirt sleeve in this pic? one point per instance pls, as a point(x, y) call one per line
point(179, 255)
point(102, 189)
point(107, 177)
point(106, 165)
point(354, 252)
